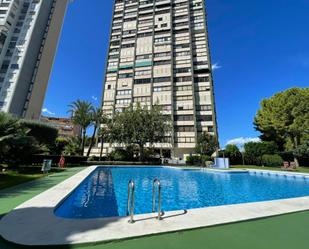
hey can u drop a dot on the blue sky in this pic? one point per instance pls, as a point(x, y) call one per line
point(259, 47)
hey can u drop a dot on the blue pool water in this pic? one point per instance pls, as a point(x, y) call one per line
point(104, 192)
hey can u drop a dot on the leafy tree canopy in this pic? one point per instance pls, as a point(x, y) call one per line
point(43, 133)
point(207, 144)
point(139, 125)
point(284, 118)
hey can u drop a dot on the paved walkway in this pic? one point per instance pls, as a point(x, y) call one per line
point(282, 232)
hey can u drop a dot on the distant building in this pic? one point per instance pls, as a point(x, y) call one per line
point(29, 32)
point(65, 126)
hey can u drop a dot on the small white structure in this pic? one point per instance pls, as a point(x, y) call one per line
point(221, 163)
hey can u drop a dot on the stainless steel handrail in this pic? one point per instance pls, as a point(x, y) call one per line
point(156, 182)
point(130, 204)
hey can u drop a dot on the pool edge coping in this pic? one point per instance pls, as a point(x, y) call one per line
point(13, 226)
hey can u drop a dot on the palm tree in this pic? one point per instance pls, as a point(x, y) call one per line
point(82, 115)
point(98, 118)
point(104, 133)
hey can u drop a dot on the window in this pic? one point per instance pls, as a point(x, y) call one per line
point(201, 79)
point(183, 88)
point(113, 56)
point(203, 108)
point(182, 46)
point(142, 99)
point(183, 98)
point(158, 63)
point(144, 57)
point(183, 53)
point(14, 66)
point(125, 75)
point(203, 89)
point(185, 140)
point(183, 70)
point(161, 88)
point(131, 45)
point(162, 54)
point(204, 118)
point(184, 129)
point(200, 71)
point(142, 81)
point(162, 79)
point(182, 79)
point(184, 118)
point(162, 39)
point(129, 32)
point(124, 92)
point(140, 73)
point(123, 101)
point(144, 34)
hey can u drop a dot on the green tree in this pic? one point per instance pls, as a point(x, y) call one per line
point(73, 146)
point(255, 150)
point(60, 145)
point(82, 115)
point(9, 127)
point(45, 134)
point(302, 150)
point(207, 144)
point(16, 145)
point(139, 125)
point(232, 151)
point(284, 118)
point(104, 135)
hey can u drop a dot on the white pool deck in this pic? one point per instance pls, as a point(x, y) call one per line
point(34, 223)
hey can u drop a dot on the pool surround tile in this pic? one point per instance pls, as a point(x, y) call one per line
point(48, 229)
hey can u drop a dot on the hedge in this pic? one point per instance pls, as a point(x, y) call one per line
point(69, 160)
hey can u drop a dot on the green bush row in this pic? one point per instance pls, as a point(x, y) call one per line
point(198, 160)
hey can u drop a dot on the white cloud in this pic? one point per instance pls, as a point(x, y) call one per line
point(46, 111)
point(216, 66)
point(94, 98)
point(240, 141)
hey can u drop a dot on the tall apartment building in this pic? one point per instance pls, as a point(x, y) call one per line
point(29, 32)
point(159, 54)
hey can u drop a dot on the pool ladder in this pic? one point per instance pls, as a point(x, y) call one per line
point(130, 204)
point(156, 185)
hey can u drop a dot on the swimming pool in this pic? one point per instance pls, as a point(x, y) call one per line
point(104, 192)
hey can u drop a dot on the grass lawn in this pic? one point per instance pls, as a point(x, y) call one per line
point(10, 178)
point(281, 232)
point(299, 169)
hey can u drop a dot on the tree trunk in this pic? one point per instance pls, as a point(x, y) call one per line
point(101, 149)
point(296, 142)
point(83, 141)
point(141, 152)
point(92, 140)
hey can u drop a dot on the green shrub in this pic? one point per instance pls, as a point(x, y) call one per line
point(199, 160)
point(255, 150)
point(272, 160)
point(43, 133)
point(120, 155)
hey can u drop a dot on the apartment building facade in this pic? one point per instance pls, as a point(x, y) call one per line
point(159, 54)
point(29, 32)
point(65, 126)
